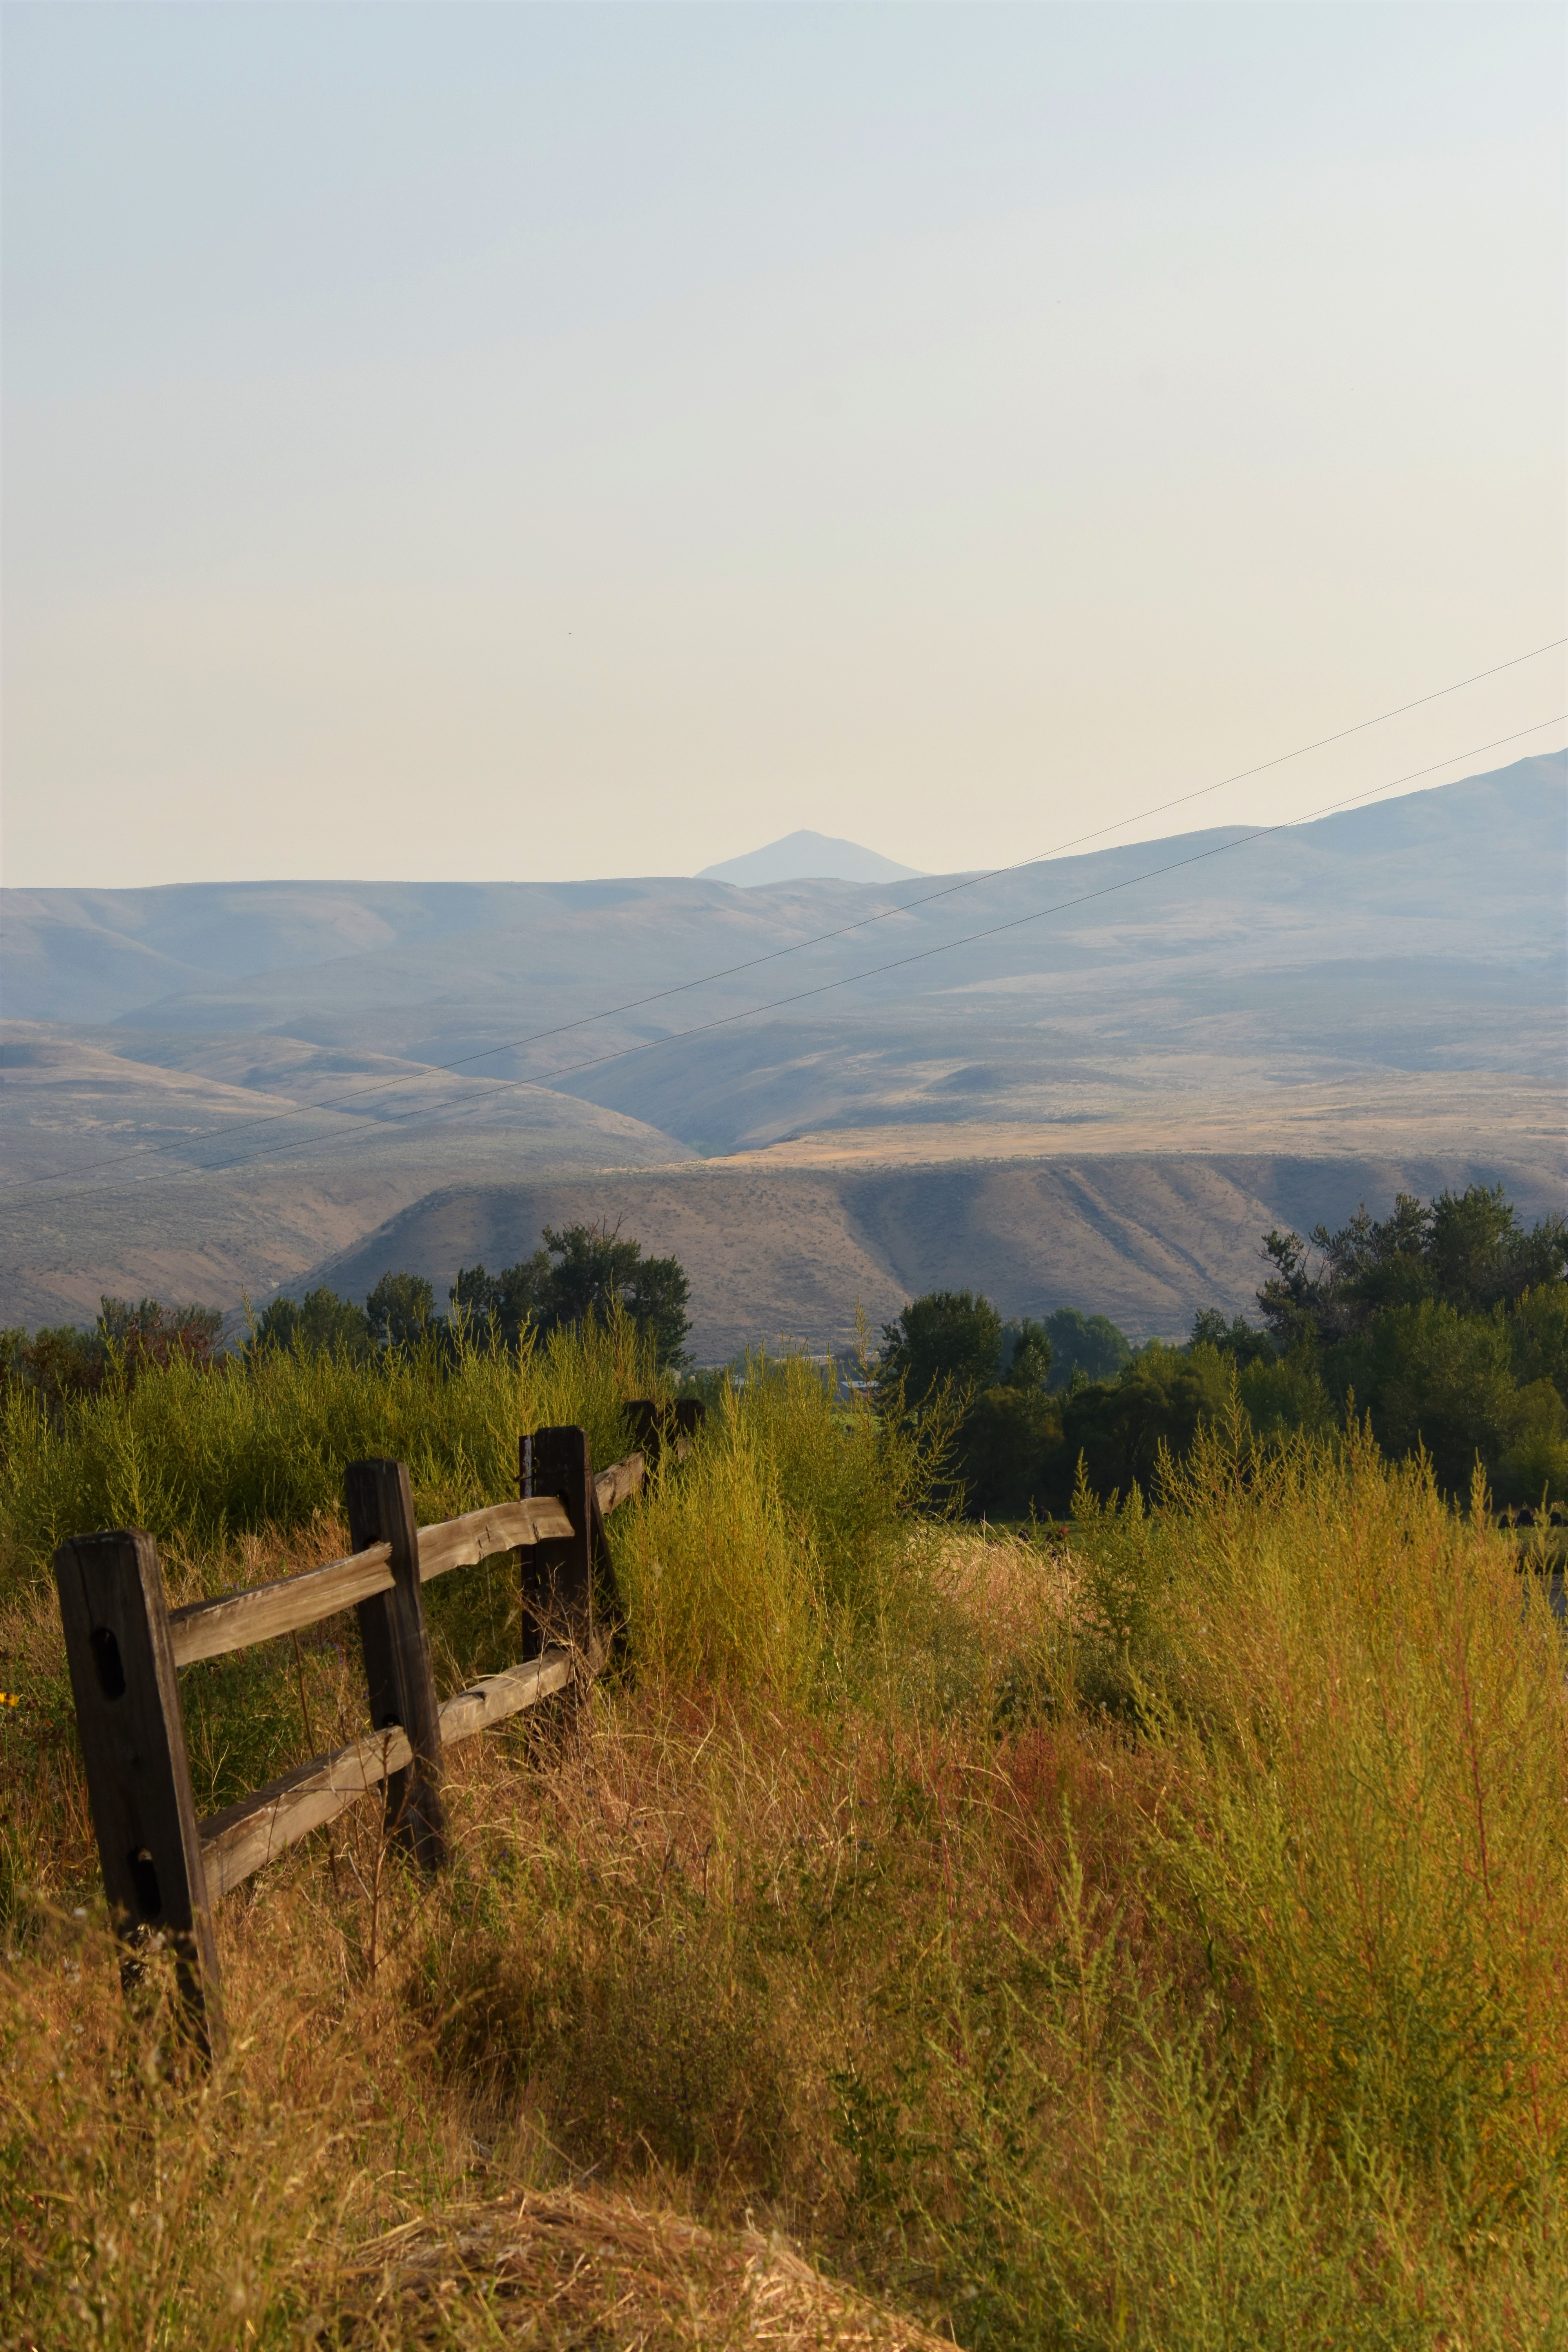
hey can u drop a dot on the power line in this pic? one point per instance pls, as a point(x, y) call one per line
point(798, 947)
point(946, 947)
point(1014, 922)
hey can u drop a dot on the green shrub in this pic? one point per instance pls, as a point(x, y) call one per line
point(853, 1478)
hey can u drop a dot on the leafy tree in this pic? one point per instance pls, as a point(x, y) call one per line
point(504, 1304)
point(66, 1360)
point(1282, 1394)
point(657, 1301)
point(1005, 1444)
point(146, 1333)
point(1434, 1377)
point(1447, 1321)
point(582, 1271)
point(1480, 1256)
point(1025, 1355)
point(1538, 1329)
point(950, 1351)
point(1467, 1249)
point(1119, 1426)
point(948, 1338)
point(399, 1309)
point(1237, 1338)
point(320, 1323)
point(56, 1361)
point(1536, 1463)
point(1087, 1345)
point(1009, 1427)
point(596, 1270)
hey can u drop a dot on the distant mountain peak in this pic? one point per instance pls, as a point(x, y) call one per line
point(807, 857)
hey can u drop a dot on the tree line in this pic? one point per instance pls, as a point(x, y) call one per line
point(1446, 1322)
point(583, 1272)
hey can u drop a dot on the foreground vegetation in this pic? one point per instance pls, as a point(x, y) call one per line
point(1158, 1939)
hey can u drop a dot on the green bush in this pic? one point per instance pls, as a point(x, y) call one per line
point(1434, 1377)
point(1375, 1810)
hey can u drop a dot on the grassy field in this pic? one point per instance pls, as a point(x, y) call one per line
point(1158, 1939)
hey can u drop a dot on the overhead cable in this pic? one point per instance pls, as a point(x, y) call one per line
point(551, 1078)
point(798, 947)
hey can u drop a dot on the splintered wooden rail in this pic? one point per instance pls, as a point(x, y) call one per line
point(163, 1870)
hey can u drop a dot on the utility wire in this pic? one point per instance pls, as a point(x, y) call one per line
point(848, 980)
point(798, 947)
point(1014, 922)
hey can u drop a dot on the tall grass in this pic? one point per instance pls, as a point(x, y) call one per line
point(785, 1545)
point(1157, 1943)
point(199, 1456)
point(1367, 1718)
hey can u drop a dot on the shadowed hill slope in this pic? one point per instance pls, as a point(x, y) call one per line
point(790, 1253)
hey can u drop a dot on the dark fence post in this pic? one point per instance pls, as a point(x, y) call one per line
point(397, 1654)
point(116, 1622)
point(654, 1426)
point(642, 1420)
point(558, 1578)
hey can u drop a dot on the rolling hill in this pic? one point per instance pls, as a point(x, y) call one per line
point(230, 1085)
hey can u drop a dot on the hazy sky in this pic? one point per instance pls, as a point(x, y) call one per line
point(545, 441)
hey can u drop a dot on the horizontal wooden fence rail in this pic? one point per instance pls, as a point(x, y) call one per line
point(210, 1628)
point(163, 1870)
point(260, 1827)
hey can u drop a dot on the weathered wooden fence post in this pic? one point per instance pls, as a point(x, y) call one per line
point(642, 1420)
point(116, 1621)
point(558, 1579)
point(397, 1654)
point(654, 1426)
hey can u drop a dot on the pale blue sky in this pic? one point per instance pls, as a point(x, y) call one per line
point(574, 440)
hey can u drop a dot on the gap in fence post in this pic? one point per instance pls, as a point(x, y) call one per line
point(116, 1622)
point(397, 1647)
point(558, 1575)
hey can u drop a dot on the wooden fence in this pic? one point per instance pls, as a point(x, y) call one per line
point(163, 1870)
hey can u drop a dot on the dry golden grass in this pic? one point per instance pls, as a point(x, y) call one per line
point(402, 2047)
point(1158, 1945)
point(1015, 1594)
point(569, 2265)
